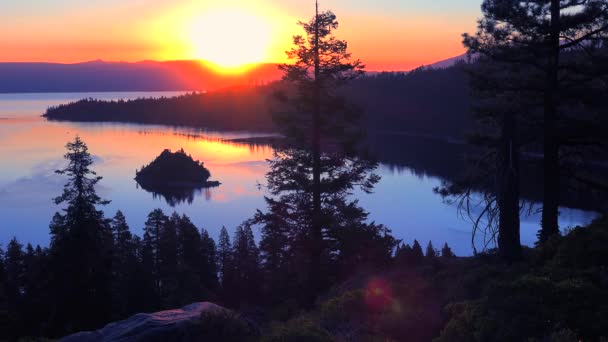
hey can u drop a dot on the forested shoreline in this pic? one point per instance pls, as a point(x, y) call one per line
point(322, 270)
point(176, 263)
point(391, 102)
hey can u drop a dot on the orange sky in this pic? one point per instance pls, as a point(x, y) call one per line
point(385, 34)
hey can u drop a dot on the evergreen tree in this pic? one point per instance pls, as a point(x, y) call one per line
point(446, 252)
point(145, 297)
point(190, 262)
point(167, 262)
point(209, 269)
point(431, 253)
point(224, 258)
point(81, 248)
point(417, 255)
point(153, 227)
point(15, 282)
point(124, 264)
point(551, 53)
point(245, 258)
point(4, 313)
point(276, 250)
point(36, 283)
point(305, 173)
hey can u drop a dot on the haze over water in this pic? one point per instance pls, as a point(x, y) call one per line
point(31, 148)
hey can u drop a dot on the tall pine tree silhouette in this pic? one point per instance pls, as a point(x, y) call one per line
point(81, 247)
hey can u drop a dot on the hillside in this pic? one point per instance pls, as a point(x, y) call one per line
point(100, 76)
point(424, 102)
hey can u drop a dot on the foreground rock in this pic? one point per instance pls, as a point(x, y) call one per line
point(195, 322)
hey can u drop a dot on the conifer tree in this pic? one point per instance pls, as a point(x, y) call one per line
point(81, 247)
point(209, 272)
point(15, 281)
point(245, 258)
point(417, 255)
point(551, 55)
point(446, 252)
point(317, 167)
point(153, 227)
point(225, 263)
point(431, 253)
point(124, 262)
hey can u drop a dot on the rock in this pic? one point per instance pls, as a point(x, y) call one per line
point(169, 325)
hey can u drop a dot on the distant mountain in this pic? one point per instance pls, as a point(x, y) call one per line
point(446, 63)
point(98, 76)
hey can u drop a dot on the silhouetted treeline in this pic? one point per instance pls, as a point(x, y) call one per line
point(239, 108)
point(423, 102)
point(95, 270)
point(427, 102)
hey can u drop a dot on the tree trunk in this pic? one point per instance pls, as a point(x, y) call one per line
point(549, 223)
point(317, 234)
point(509, 244)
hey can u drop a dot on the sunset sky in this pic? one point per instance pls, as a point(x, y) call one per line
point(385, 34)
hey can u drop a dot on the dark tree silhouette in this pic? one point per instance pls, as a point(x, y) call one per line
point(446, 252)
point(431, 253)
point(124, 267)
point(417, 254)
point(156, 222)
point(560, 46)
point(81, 247)
point(246, 266)
point(315, 168)
point(225, 263)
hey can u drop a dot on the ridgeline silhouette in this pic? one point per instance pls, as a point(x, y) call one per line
point(389, 102)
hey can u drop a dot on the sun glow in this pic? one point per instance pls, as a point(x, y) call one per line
point(230, 38)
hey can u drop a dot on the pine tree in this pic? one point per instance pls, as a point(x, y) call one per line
point(124, 262)
point(153, 227)
point(550, 53)
point(245, 258)
point(314, 113)
point(224, 258)
point(190, 262)
point(36, 283)
point(167, 262)
point(15, 281)
point(446, 252)
point(209, 271)
point(431, 253)
point(417, 255)
point(81, 247)
point(4, 313)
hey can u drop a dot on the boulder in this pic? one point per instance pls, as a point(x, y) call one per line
point(170, 325)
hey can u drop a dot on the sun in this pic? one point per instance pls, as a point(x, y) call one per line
point(230, 38)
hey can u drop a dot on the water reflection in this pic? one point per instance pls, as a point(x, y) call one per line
point(175, 195)
point(32, 148)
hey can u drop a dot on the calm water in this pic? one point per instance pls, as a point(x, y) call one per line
point(32, 148)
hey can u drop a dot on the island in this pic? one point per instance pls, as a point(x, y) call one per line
point(176, 176)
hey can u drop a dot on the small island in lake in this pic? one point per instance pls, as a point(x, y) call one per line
point(175, 176)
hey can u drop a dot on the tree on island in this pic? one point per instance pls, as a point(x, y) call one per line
point(176, 176)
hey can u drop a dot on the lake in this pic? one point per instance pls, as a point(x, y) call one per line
point(31, 149)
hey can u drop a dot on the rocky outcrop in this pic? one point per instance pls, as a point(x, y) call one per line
point(185, 324)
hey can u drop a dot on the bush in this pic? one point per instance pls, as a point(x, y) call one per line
point(298, 330)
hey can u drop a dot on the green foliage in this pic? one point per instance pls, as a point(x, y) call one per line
point(564, 294)
point(297, 330)
point(225, 325)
